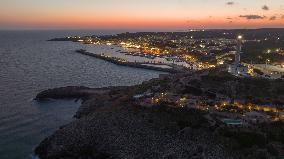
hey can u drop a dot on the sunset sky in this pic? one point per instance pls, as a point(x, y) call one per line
point(140, 14)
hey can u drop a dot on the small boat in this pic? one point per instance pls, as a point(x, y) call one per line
point(168, 59)
point(135, 54)
point(151, 57)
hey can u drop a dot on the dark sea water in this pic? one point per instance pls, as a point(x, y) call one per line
point(30, 64)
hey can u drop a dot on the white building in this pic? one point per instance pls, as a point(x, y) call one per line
point(237, 68)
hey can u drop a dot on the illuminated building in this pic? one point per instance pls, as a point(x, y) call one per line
point(237, 68)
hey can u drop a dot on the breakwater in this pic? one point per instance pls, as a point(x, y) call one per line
point(122, 62)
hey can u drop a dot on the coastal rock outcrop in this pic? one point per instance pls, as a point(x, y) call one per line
point(114, 122)
point(110, 125)
point(63, 92)
point(128, 131)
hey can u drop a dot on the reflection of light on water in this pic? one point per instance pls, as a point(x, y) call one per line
point(24, 123)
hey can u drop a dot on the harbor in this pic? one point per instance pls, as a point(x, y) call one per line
point(147, 65)
point(139, 56)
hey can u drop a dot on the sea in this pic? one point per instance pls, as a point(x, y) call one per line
point(30, 64)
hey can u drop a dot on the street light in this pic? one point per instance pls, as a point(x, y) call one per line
point(267, 62)
point(240, 37)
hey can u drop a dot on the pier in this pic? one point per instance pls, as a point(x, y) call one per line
point(122, 62)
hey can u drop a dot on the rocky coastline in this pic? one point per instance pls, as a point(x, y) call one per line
point(107, 125)
point(111, 123)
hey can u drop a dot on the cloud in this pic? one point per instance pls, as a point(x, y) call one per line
point(230, 3)
point(272, 18)
point(252, 17)
point(265, 7)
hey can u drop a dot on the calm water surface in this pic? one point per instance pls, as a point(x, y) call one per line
point(30, 64)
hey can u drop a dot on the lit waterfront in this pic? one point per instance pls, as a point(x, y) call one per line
point(115, 51)
point(177, 49)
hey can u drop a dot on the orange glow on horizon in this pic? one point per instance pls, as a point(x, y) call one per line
point(182, 14)
point(132, 22)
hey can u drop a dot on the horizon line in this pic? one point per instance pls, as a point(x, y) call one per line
point(132, 29)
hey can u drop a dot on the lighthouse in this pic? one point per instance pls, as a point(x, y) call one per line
point(238, 51)
point(237, 68)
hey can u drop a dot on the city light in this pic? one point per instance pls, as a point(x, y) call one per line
point(149, 79)
point(240, 37)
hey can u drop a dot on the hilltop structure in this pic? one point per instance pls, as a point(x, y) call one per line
point(237, 68)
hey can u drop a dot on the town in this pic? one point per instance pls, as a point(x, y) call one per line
point(244, 52)
point(197, 50)
point(235, 78)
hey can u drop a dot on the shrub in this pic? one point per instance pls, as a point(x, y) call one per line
point(245, 139)
point(258, 71)
point(275, 131)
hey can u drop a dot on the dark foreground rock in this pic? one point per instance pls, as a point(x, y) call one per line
point(64, 92)
point(120, 131)
point(73, 92)
point(109, 125)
